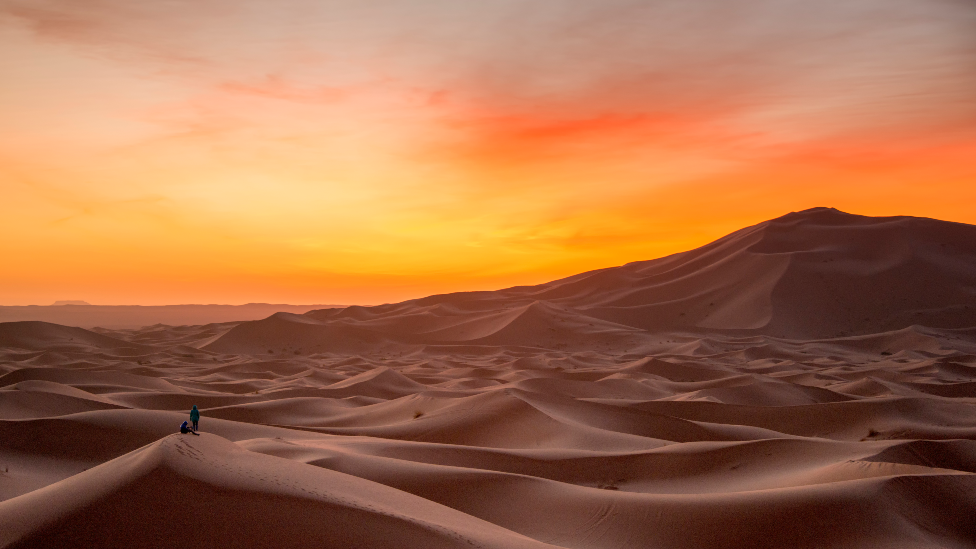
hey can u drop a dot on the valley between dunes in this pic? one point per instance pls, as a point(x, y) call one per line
point(806, 382)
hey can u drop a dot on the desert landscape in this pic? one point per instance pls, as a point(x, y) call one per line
point(807, 382)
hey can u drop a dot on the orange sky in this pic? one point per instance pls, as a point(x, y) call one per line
point(364, 152)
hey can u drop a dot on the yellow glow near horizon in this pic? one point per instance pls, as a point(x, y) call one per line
point(320, 152)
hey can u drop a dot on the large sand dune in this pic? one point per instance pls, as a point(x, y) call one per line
point(807, 382)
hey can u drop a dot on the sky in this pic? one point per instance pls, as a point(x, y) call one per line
point(371, 151)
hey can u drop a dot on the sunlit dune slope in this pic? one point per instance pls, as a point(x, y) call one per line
point(237, 496)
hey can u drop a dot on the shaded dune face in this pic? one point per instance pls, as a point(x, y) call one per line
point(725, 397)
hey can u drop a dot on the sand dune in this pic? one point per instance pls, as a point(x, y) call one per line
point(807, 382)
point(247, 498)
point(35, 336)
point(812, 274)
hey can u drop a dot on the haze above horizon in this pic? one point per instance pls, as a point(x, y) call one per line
point(336, 152)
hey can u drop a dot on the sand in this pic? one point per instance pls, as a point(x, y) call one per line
point(807, 382)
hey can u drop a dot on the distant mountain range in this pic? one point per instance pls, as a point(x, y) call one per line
point(81, 314)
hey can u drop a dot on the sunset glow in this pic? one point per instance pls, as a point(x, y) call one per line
point(368, 152)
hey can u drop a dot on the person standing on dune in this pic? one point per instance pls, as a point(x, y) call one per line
point(195, 417)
